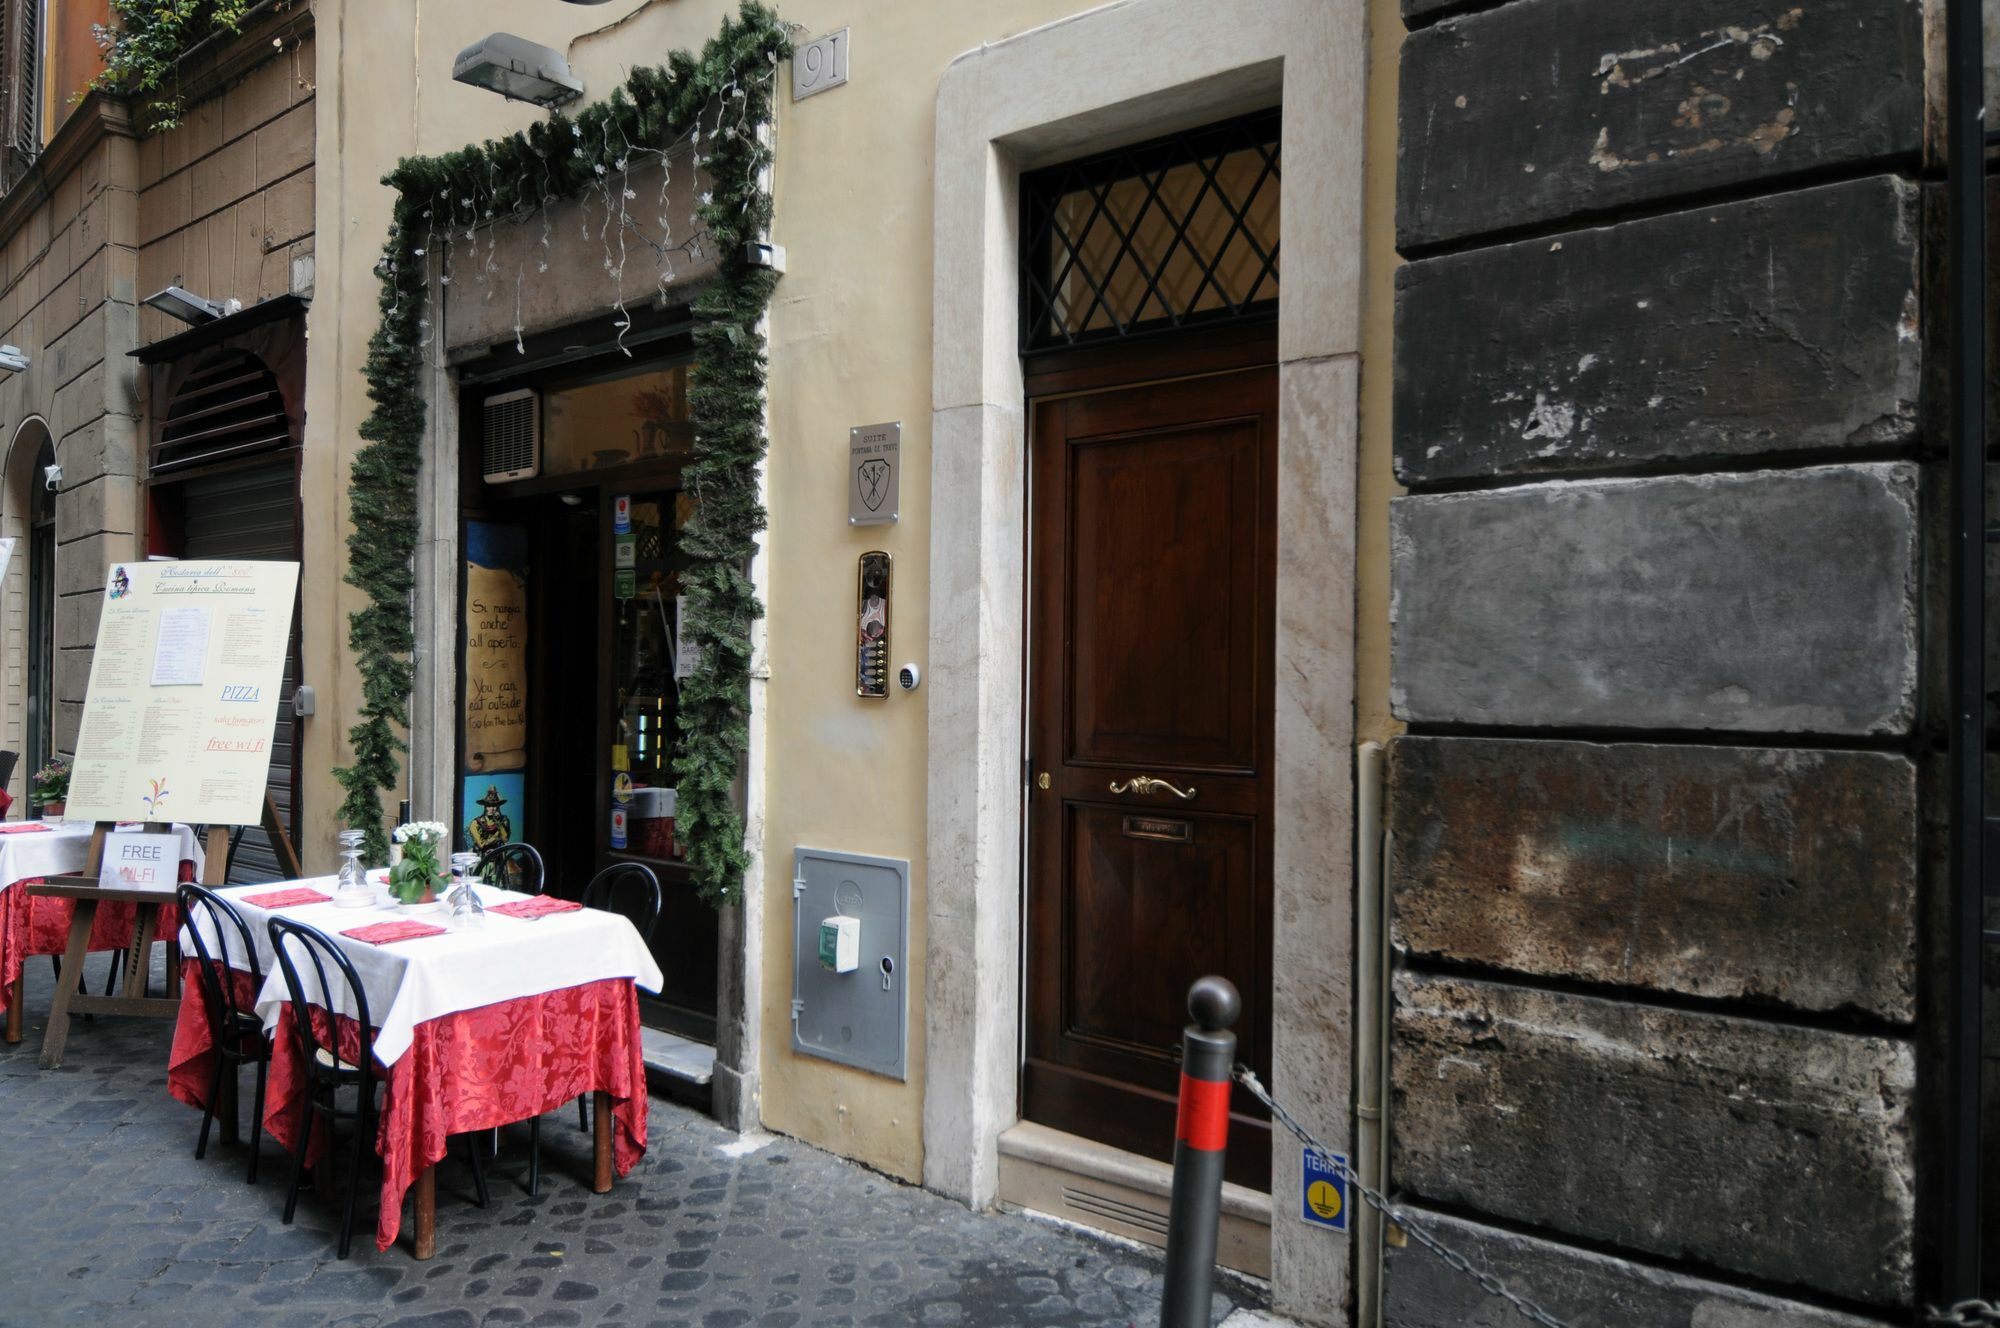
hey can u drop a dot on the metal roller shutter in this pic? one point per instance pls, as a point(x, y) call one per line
point(252, 512)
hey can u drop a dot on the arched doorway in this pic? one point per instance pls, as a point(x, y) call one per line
point(27, 605)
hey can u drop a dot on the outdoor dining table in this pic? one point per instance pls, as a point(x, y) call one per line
point(475, 1028)
point(31, 925)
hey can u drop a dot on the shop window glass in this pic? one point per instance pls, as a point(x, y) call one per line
point(617, 421)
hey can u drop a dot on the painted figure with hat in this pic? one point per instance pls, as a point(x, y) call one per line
point(491, 828)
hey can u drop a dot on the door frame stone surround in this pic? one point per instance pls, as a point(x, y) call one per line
point(1118, 74)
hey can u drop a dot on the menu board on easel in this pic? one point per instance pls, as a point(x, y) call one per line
point(184, 692)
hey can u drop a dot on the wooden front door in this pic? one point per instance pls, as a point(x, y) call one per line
point(1150, 694)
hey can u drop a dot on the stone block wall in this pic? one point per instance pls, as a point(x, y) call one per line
point(1658, 635)
point(67, 269)
point(226, 199)
point(222, 205)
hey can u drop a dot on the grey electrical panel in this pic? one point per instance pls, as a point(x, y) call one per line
point(861, 1017)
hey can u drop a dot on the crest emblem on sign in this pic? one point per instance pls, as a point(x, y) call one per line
point(873, 477)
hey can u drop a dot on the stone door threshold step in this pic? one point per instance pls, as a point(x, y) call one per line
point(676, 1058)
point(1108, 1189)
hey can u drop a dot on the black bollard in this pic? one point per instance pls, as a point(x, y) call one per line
point(1208, 1055)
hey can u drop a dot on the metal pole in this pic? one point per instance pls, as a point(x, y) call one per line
point(1208, 1055)
point(1965, 145)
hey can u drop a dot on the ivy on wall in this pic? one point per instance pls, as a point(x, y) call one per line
point(144, 46)
point(720, 101)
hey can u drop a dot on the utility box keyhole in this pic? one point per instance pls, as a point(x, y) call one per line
point(888, 971)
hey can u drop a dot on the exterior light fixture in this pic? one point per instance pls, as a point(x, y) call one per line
point(185, 305)
point(13, 359)
point(517, 69)
point(52, 477)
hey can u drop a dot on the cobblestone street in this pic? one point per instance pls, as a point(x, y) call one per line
point(111, 1219)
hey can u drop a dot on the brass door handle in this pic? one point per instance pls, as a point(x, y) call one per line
point(1148, 784)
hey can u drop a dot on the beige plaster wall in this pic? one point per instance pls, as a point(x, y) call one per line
point(850, 344)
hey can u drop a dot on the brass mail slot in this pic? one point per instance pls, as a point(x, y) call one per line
point(1165, 831)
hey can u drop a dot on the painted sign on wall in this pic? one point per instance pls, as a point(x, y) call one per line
point(496, 647)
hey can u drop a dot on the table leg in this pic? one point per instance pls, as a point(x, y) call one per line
point(601, 1181)
point(426, 1238)
point(174, 968)
point(73, 956)
point(14, 1007)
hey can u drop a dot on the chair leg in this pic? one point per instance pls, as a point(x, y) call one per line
point(257, 1123)
point(583, 1113)
point(208, 1109)
point(299, 1157)
point(534, 1155)
point(478, 1169)
point(361, 1133)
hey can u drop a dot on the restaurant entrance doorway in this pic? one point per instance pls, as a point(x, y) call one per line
point(571, 671)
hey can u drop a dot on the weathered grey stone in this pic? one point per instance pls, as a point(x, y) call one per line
point(1771, 1150)
point(1777, 601)
point(1576, 1286)
point(1778, 324)
point(482, 307)
point(1549, 109)
point(1727, 872)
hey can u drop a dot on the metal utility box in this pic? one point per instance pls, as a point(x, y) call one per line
point(859, 1018)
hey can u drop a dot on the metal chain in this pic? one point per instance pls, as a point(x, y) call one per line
point(1967, 1314)
point(1487, 1281)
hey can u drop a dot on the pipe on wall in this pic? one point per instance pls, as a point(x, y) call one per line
point(1965, 213)
point(1371, 1024)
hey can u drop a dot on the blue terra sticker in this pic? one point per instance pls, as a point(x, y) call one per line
point(1324, 1202)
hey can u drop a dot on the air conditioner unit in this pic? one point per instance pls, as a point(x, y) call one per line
point(513, 436)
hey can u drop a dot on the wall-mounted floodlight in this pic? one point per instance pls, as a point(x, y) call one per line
point(52, 477)
point(518, 69)
point(185, 305)
point(13, 359)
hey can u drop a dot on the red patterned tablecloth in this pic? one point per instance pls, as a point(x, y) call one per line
point(472, 1070)
point(39, 926)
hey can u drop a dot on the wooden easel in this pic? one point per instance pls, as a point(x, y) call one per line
point(88, 894)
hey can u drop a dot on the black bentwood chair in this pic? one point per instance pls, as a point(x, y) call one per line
point(630, 890)
point(512, 867)
point(237, 1032)
point(327, 1071)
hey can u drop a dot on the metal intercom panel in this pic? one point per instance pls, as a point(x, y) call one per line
point(859, 1017)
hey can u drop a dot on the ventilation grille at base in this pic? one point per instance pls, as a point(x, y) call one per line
point(511, 436)
point(1106, 1208)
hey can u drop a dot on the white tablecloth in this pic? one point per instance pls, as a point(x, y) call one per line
point(28, 854)
point(411, 982)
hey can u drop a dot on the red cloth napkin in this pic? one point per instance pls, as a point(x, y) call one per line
point(298, 894)
point(538, 907)
point(24, 828)
point(382, 933)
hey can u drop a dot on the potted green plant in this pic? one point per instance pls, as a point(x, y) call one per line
point(418, 876)
point(52, 786)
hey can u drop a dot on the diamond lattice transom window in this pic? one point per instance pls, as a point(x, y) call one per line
point(1175, 232)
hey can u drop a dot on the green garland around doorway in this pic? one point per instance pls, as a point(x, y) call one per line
point(721, 101)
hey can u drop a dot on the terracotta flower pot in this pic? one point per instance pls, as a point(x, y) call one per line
point(54, 809)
